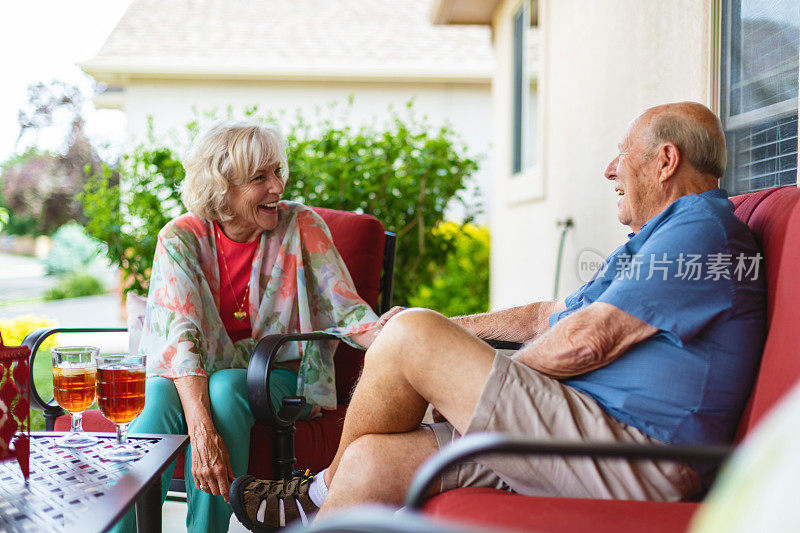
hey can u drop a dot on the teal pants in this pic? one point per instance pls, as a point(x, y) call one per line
point(163, 413)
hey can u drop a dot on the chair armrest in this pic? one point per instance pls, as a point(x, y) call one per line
point(263, 360)
point(33, 341)
point(503, 345)
point(481, 444)
point(258, 370)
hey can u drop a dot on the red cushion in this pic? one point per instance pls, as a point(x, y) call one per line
point(360, 240)
point(503, 510)
point(93, 420)
point(774, 217)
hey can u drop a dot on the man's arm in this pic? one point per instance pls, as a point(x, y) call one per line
point(518, 324)
point(586, 340)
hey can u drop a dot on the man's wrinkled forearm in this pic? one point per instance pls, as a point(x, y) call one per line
point(517, 324)
point(584, 341)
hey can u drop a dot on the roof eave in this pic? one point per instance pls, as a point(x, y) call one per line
point(459, 12)
point(122, 73)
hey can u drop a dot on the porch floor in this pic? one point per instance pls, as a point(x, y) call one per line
point(173, 518)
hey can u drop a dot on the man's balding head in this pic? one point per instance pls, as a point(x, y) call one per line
point(668, 151)
point(693, 128)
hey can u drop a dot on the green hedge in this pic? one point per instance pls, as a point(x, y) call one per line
point(404, 173)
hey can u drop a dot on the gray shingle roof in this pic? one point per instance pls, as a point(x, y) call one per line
point(284, 37)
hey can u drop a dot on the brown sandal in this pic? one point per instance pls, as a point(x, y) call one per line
point(265, 505)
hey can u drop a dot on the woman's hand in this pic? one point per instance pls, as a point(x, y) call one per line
point(211, 464)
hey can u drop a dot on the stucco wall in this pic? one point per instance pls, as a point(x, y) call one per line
point(602, 64)
point(466, 107)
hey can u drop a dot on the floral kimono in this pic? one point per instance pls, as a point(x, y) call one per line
point(298, 283)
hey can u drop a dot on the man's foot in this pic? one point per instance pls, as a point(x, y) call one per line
point(263, 505)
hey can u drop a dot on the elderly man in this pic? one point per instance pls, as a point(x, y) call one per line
point(660, 346)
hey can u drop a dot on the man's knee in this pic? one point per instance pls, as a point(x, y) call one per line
point(417, 321)
point(411, 331)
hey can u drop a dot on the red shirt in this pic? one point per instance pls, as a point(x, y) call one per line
point(239, 259)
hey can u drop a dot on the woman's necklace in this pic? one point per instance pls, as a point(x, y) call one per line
point(240, 314)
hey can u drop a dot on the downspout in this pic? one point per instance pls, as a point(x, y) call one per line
point(565, 225)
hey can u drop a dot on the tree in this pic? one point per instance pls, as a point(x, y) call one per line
point(39, 187)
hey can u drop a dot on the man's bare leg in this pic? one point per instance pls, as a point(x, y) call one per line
point(379, 468)
point(420, 357)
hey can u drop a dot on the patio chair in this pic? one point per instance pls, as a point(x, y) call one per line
point(368, 252)
point(15, 415)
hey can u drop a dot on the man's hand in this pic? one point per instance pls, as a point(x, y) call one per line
point(211, 464)
point(586, 340)
point(366, 339)
point(389, 314)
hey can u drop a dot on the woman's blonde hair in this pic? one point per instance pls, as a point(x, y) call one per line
point(226, 154)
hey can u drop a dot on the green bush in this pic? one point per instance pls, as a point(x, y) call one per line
point(75, 285)
point(459, 285)
point(72, 250)
point(404, 173)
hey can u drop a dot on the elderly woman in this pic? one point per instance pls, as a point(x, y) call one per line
point(241, 265)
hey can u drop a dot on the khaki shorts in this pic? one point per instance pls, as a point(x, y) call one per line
point(518, 400)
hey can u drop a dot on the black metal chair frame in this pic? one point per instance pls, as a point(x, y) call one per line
point(483, 444)
point(258, 380)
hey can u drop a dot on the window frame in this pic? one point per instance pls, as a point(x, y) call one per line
point(751, 118)
point(523, 183)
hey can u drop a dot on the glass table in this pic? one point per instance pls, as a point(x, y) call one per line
point(73, 490)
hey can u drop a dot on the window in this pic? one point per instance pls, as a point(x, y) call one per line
point(524, 109)
point(760, 60)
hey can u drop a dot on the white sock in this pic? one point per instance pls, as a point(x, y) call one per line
point(317, 491)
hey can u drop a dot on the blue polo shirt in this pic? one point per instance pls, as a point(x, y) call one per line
point(694, 273)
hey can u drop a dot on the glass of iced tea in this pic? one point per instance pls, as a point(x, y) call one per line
point(120, 396)
point(74, 378)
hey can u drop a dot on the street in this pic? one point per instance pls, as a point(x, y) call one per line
point(22, 278)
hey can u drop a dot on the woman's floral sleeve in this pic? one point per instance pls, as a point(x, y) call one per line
point(173, 320)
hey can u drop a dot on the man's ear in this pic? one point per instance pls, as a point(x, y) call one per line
point(668, 158)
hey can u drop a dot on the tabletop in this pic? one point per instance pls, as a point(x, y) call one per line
point(73, 490)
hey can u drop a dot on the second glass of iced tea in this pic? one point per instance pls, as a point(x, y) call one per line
point(120, 397)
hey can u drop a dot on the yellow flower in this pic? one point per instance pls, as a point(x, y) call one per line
point(15, 329)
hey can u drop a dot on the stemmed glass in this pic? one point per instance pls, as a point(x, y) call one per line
point(74, 378)
point(120, 396)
